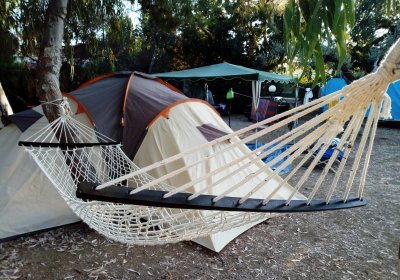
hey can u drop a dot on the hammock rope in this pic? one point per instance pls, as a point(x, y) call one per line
point(122, 201)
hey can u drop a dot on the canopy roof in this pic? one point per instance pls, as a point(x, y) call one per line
point(224, 71)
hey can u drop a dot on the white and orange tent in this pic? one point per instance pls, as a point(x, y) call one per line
point(151, 119)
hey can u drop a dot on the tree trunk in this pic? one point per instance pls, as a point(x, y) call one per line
point(48, 85)
point(153, 59)
point(49, 64)
point(5, 108)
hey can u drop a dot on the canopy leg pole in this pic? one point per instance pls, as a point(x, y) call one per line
point(206, 87)
point(256, 90)
point(230, 107)
point(295, 105)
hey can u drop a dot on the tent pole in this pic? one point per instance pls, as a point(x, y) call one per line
point(295, 105)
point(206, 86)
point(256, 122)
point(230, 106)
point(256, 90)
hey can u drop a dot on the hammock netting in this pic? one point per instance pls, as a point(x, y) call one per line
point(71, 153)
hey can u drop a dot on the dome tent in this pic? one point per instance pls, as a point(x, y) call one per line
point(153, 120)
point(28, 201)
point(158, 122)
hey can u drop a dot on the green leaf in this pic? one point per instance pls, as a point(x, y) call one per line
point(316, 79)
point(388, 7)
point(288, 23)
point(337, 16)
point(319, 63)
point(349, 10)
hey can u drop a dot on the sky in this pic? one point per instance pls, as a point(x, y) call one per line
point(133, 12)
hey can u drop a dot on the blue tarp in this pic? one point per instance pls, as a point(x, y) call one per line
point(332, 85)
point(273, 155)
point(331, 149)
point(329, 152)
point(394, 93)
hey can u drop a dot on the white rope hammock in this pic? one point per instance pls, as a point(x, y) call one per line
point(157, 220)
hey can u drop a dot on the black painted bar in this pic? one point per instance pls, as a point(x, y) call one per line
point(153, 198)
point(65, 145)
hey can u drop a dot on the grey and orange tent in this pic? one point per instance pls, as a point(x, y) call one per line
point(152, 120)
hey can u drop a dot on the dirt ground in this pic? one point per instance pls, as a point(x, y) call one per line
point(359, 243)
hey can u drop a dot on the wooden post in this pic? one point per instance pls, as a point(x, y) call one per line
point(5, 108)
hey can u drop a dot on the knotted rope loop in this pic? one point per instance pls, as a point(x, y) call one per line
point(61, 103)
point(389, 67)
point(387, 106)
point(389, 71)
point(334, 126)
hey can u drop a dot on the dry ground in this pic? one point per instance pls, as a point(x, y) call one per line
point(359, 243)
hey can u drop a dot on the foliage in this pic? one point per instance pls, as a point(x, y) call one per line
point(268, 35)
point(307, 22)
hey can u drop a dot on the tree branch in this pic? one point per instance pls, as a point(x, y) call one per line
point(348, 75)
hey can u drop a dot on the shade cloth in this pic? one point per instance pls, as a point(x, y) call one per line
point(224, 71)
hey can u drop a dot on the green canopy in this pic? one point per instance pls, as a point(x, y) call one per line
point(224, 71)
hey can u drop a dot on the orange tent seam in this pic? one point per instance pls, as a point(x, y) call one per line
point(165, 113)
point(95, 80)
point(126, 95)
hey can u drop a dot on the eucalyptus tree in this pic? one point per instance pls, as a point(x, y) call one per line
point(237, 28)
point(374, 32)
point(46, 29)
point(230, 31)
point(80, 21)
point(308, 23)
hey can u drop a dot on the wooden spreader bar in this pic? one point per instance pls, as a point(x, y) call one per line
point(154, 198)
point(65, 145)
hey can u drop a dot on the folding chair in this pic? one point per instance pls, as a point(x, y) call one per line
point(266, 109)
point(328, 154)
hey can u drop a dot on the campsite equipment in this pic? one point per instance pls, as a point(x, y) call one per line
point(227, 71)
point(145, 222)
point(333, 85)
point(148, 217)
point(142, 104)
point(354, 105)
point(394, 93)
point(267, 108)
point(230, 94)
point(325, 158)
point(28, 201)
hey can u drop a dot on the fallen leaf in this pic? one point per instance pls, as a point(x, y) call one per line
point(132, 270)
point(170, 275)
